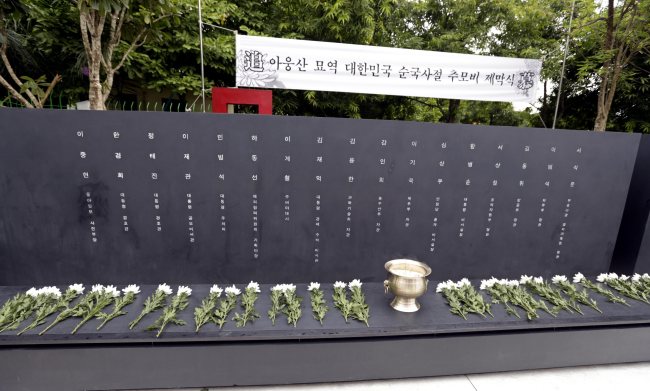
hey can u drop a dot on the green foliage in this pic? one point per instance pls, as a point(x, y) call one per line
point(203, 313)
point(16, 310)
point(170, 314)
point(319, 308)
point(118, 309)
point(292, 308)
point(249, 314)
point(225, 307)
point(152, 303)
point(168, 61)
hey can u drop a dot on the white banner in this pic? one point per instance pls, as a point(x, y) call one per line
point(323, 66)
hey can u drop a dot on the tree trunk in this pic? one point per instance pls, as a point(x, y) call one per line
point(95, 91)
point(100, 54)
point(606, 78)
point(452, 113)
point(601, 120)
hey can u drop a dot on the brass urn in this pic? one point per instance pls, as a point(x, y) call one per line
point(407, 280)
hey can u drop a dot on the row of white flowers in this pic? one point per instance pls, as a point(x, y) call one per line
point(560, 292)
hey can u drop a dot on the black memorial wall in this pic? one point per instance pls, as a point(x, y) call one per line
point(632, 251)
point(197, 198)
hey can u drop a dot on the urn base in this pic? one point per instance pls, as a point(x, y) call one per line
point(405, 305)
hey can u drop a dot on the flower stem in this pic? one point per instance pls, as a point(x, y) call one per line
point(162, 327)
point(137, 320)
point(83, 321)
point(8, 326)
point(29, 327)
point(56, 321)
point(104, 322)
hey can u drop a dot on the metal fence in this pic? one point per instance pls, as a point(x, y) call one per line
point(62, 102)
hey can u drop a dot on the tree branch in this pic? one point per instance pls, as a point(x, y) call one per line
point(135, 44)
point(10, 70)
point(15, 93)
point(590, 23)
point(54, 82)
point(423, 103)
point(84, 34)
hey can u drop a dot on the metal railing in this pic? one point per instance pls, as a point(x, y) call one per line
point(61, 102)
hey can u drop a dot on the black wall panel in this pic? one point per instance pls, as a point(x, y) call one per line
point(196, 198)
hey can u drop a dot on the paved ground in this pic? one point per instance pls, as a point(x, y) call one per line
point(593, 378)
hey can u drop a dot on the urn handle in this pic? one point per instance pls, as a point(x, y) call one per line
point(386, 286)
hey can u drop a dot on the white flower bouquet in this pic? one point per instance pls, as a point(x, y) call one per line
point(356, 306)
point(318, 306)
point(19, 308)
point(285, 300)
point(624, 285)
point(170, 313)
point(226, 305)
point(155, 301)
point(55, 303)
point(93, 303)
point(544, 290)
point(248, 299)
point(643, 282)
point(579, 278)
point(577, 296)
point(463, 299)
point(508, 292)
point(128, 297)
point(203, 313)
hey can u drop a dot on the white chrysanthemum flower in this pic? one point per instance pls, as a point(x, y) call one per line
point(623, 277)
point(43, 291)
point(486, 284)
point(578, 278)
point(164, 288)
point(33, 292)
point(636, 277)
point(602, 277)
point(182, 289)
point(277, 287)
point(512, 283)
point(645, 276)
point(449, 284)
point(131, 289)
point(313, 286)
point(215, 289)
point(612, 276)
point(463, 282)
point(355, 283)
point(97, 288)
point(111, 290)
point(340, 284)
point(441, 287)
point(538, 280)
point(233, 290)
point(558, 278)
point(78, 288)
point(525, 279)
point(254, 286)
point(289, 288)
point(51, 290)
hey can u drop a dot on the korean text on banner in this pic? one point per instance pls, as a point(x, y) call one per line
point(323, 66)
